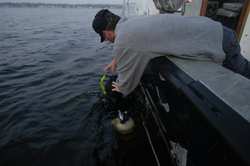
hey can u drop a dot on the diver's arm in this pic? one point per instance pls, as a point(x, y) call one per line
point(116, 88)
point(111, 65)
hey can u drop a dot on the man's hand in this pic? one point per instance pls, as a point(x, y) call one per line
point(112, 65)
point(116, 88)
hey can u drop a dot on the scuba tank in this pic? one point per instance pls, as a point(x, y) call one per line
point(123, 125)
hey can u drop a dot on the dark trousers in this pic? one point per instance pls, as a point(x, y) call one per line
point(234, 60)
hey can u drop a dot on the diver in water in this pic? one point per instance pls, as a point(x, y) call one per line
point(114, 100)
point(115, 103)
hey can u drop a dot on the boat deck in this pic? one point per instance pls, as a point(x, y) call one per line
point(231, 88)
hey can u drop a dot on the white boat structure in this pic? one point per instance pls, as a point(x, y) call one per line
point(203, 115)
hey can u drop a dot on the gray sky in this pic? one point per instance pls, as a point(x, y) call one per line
point(69, 1)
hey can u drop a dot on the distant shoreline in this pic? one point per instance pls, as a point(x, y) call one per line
point(48, 5)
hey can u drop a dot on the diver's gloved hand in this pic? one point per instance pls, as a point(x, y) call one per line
point(111, 65)
point(116, 88)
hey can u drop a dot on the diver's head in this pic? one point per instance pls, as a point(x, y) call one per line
point(114, 96)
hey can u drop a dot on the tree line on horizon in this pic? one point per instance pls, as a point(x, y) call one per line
point(39, 4)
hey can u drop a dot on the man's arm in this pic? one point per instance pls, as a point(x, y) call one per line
point(130, 66)
point(111, 65)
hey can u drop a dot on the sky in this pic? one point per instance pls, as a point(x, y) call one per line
point(70, 1)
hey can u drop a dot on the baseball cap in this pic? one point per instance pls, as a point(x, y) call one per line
point(100, 22)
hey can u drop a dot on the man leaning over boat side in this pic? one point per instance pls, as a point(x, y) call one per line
point(139, 39)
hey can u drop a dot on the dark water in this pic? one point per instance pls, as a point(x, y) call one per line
point(51, 63)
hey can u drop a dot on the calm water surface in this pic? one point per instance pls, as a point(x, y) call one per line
point(51, 63)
